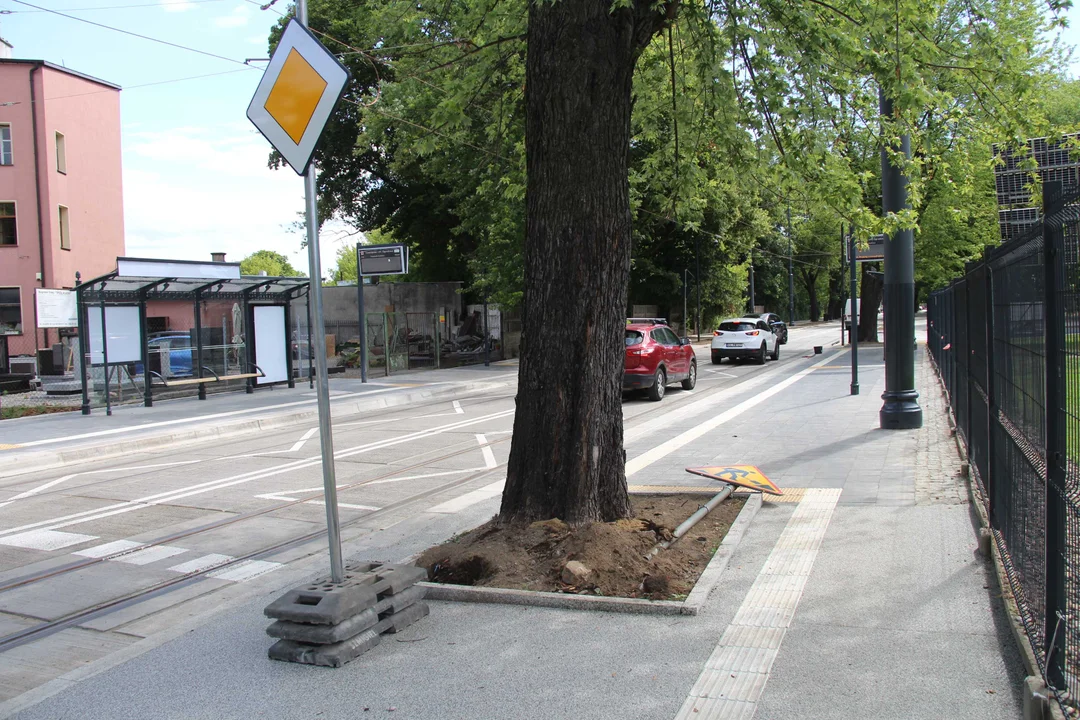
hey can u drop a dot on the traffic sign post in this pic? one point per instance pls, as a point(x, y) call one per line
point(296, 96)
point(376, 261)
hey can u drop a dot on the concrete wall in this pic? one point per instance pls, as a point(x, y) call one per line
point(88, 114)
point(340, 303)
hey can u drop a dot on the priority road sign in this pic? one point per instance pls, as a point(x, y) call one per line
point(746, 476)
point(297, 93)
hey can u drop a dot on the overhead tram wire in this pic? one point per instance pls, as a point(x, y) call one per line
point(134, 34)
point(111, 7)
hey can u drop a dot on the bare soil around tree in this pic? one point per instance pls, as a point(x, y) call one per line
point(615, 555)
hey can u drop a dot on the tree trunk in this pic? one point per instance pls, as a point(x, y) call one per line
point(567, 458)
point(870, 301)
point(815, 311)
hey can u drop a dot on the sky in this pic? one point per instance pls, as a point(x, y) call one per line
point(195, 174)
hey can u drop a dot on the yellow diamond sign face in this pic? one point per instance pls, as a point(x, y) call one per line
point(297, 94)
point(746, 476)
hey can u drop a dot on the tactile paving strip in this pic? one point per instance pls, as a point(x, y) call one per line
point(735, 676)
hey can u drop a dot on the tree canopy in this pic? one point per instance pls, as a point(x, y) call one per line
point(273, 263)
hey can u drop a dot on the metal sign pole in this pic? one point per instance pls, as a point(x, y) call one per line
point(326, 438)
point(853, 332)
point(363, 317)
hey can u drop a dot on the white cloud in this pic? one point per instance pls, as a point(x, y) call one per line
point(239, 17)
point(189, 192)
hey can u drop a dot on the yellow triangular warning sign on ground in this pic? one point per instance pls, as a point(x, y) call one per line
point(746, 476)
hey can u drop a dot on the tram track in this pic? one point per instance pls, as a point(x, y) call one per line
point(134, 597)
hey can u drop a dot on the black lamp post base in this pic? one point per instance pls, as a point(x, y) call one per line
point(901, 411)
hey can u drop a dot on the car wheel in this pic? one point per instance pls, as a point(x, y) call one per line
point(717, 359)
point(691, 379)
point(776, 351)
point(761, 354)
point(656, 392)
point(784, 341)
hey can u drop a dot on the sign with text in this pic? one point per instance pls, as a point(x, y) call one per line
point(56, 308)
point(873, 252)
point(382, 260)
point(297, 93)
point(746, 476)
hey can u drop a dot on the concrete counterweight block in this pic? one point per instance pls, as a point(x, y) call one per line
point(329, 624)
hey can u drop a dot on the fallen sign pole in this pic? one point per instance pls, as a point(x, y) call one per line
point(296, 96)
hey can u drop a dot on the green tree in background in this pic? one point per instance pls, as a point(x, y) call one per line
point(273, 263)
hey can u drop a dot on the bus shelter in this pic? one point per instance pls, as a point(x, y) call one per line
point(152, 326)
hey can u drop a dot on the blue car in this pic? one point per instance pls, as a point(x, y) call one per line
point(179, 356)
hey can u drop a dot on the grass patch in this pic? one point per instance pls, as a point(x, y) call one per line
point(21, 411)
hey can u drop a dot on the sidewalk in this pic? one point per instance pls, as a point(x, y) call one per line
point(50, 440)
point(860, 595)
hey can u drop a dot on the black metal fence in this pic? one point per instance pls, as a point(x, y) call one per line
point(1006, 340)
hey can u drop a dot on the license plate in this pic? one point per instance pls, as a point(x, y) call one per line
point(734, 345)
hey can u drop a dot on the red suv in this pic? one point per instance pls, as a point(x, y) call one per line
point(655, 357)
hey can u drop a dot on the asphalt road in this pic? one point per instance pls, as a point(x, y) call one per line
point(93, 558)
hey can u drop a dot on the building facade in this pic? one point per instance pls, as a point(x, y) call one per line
point(61, 192)
point(1055, 160)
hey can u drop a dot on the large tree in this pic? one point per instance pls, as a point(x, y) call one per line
point(514, 138)
point(567, 459)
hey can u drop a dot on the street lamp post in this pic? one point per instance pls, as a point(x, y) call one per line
point(752, 303)
point(790, 273)
point(901, 409)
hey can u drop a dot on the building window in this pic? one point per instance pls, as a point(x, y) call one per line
point(61, 154)
point(8, 233)
point(10, 311)
point(5, 145)
point(65, 229)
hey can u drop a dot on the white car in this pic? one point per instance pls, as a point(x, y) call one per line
point(745, 338)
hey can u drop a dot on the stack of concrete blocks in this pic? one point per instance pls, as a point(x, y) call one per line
point(327, 623)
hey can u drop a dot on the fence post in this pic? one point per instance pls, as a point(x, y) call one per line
point(1053, 260)
point(989, 482)
point(386, 341)
point(438, 350)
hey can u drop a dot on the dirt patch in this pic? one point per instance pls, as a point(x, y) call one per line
point(535, 556)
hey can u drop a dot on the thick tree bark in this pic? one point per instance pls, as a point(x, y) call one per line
point(870, 302)
point(809, 281)
point(567, 458)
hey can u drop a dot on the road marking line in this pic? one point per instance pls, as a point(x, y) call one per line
point(664, 449)
point(215, 416)
point(150, 554)
point(470, 498)
point(45, 540)
point(734, 677)
point(485, 448)
point(425, 476)
point(201, 563)
point(458, 409)
point(248, 570)
point(46, 486)
point(246, 477)
point(109, 548)
point(303, 439)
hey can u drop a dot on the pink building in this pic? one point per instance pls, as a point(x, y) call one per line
point(61, 196)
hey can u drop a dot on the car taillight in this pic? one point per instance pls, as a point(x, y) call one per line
point(716, 332)
point(753, 332)
point(635, 351)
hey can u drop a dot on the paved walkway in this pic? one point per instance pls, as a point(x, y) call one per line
point(861, 598)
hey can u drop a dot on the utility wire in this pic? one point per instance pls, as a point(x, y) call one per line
point(128, 87)
point(132, 34)
point(165, 3)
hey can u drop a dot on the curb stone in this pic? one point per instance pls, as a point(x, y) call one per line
point(34, 461)
point(710, 578)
